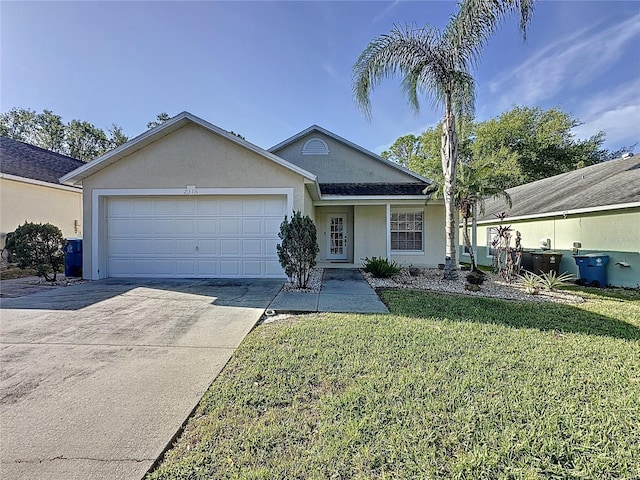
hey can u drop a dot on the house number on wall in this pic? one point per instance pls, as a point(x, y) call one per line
point(190, 190)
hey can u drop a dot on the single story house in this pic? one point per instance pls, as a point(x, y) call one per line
point(189, 199)
point(595, 209)
point(30, 189)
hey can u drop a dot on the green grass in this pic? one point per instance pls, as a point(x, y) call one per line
point(445, 387)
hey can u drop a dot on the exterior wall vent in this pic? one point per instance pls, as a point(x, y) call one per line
point(315, 146)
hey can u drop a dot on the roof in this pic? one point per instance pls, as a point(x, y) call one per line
point(364, 189)
point(597, 187)
point(344, 141)
point(162, 130)
point(28, 161)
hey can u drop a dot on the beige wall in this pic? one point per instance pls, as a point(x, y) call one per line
point(342, 165)
point(188, 156)
point(370, 232)
point(614, 232)
point(22, 202)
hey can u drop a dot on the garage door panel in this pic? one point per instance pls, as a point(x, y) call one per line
point(208, 226)
point(230, 207)
point(141, 207)
point(229, 226)
point(252, 247)
point(185, 226)
point(230, 268)
point(229, 247)
point(208, 247)
point(233, 236)
point(252, 226)
point(164, 247)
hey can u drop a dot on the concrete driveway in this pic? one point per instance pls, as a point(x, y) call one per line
point(97, 378)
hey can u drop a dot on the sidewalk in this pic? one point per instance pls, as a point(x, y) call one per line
point(343, 290)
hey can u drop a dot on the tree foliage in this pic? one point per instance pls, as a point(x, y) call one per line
point(39, 246)
point(77, 139)
point(160, 119)
point(437, 63)
point(522, 145)
point(299, 248)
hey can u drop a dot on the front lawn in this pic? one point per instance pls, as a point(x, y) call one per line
point(444, 387)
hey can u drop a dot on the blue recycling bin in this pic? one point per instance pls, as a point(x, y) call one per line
point(73, 258)
point(592, 268)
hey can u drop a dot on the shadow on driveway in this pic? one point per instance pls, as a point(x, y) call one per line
point(251, 293)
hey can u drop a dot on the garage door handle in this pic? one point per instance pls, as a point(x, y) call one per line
point(196, 248)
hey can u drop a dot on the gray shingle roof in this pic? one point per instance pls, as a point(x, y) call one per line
point(28, 161)
point(372, 188)
point(609, 183)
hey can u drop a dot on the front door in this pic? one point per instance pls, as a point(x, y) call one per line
point(337, 238)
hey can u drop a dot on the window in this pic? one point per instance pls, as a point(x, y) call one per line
point(492, 241)
point(406, 231)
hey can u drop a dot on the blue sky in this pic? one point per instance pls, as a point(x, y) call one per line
point(268, 70)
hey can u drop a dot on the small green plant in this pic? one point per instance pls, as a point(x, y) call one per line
point(39, 246)
point(380, 267)
point(550, 281)
point(299, 247)
point(530, 283)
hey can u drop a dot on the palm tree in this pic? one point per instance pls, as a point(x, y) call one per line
point(437, 63)
point(474, 184)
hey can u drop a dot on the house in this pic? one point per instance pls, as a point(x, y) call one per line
point(30, 189)
point(189, 199)
point(597, 208)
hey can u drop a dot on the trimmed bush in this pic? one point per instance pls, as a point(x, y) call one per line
point(299, 248)
point(39, 246)
point(380, 267)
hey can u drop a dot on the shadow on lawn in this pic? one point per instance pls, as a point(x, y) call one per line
point(541, 316)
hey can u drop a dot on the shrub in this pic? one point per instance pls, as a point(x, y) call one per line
point(39, 246)
point(476, 277)
point(530, 283)
point(299, 247)
point(551, 281)
point(380, 267)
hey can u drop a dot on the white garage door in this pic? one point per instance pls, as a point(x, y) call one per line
point(196, 236)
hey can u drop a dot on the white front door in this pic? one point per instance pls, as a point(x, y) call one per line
point(337, 237)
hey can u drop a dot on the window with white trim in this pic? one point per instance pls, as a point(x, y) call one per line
point(492, 241)
point(407, 231)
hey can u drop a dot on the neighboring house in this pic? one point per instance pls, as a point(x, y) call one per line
point(597, 207)
point(30, 189)
point(188, 199)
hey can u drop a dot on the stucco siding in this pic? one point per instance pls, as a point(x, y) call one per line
point(39, 204)
point(342, 165)
point(188, 156)
point(615, 232)
point(370, 227)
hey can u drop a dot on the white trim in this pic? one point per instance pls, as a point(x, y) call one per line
point(564, 213)
point(99, 194)
point(16, 178)
point(395, 209)
point(388, 217)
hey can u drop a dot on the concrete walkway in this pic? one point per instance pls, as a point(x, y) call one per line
point(343, 290)
point(96, 378)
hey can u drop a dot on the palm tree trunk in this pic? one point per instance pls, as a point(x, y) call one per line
point(449, 154)
point(467, 242)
